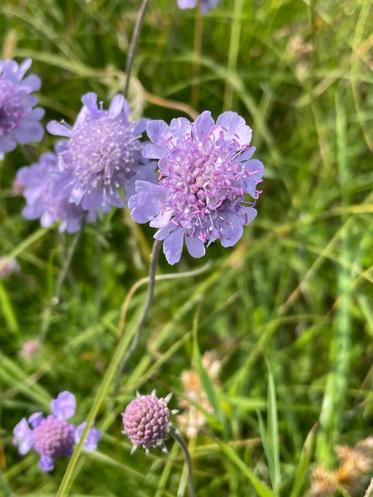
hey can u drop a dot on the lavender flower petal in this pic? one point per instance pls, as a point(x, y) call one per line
point(92, 438)
point(46, 464)
point(63, 407)
point(19, 120)
point(207, 185)
point(102, 156)
point(35, 419)
point(22, 437)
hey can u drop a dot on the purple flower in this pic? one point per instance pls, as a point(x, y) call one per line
point(206, 5)
point(19, 120)
point(53, 436)
point(207, 183)
point(39, 185)
point(102, 155)
point(146, 421)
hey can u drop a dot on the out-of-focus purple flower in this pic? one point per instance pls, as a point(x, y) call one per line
point(38, 184)
point(206, 5)
point(52, 436)
point(101, 156)
point(146, 421)
point(19, 118)
point(207, 184)
point(30, 348)
point(8, 266)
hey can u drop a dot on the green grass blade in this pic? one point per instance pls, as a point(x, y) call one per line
point(260, 488)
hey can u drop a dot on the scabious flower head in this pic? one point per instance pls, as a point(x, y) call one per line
point(146, 421)
point(102, 154)
point(206, 5)
point(19, 119)
point(53, 436)
point(39, 185)
point(207, 183)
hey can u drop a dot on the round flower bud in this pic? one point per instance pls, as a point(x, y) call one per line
point(146, 421)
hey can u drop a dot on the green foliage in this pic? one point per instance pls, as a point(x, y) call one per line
point(289, 309)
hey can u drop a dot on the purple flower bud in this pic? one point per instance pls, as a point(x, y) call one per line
point(19, 120)
point(102, 154)
point(207, 185)
point(146, 421)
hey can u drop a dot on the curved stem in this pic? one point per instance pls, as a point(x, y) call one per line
point(179, 439)
point(133, 44)
point(147, 305)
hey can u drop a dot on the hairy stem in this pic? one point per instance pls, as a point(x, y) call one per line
point(179, 439)
point(133, 45)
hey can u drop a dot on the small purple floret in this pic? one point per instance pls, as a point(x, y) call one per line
point(207, 185)
point(53, 436)
point(38, 183)
point(102, 155)
point(206, 5)
point(19, 119)
point(146, 421)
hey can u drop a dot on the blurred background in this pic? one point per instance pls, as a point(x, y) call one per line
point(268, 349)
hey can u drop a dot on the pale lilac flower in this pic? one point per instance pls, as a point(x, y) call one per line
point(8, 266)
point(102, 154)
point(19, 118)
point(53, 436)
point(207, 185)
point(146, 421)
point(39, 185)
point(206, 5)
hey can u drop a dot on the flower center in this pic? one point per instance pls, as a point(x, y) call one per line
point(103, 151)
point(11, 108)
point(53, 437)
point(200, 180)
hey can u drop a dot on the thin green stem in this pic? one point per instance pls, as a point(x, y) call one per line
point(197, 55)
point(148, 303)
point(133, 45)
point(25, 244)
point(188, 460)
point(59, 284)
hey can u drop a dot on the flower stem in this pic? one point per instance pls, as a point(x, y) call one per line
point(60, 281)
point(133, 45)
point(148, 303)
point(197, 49)
point(179, 439)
